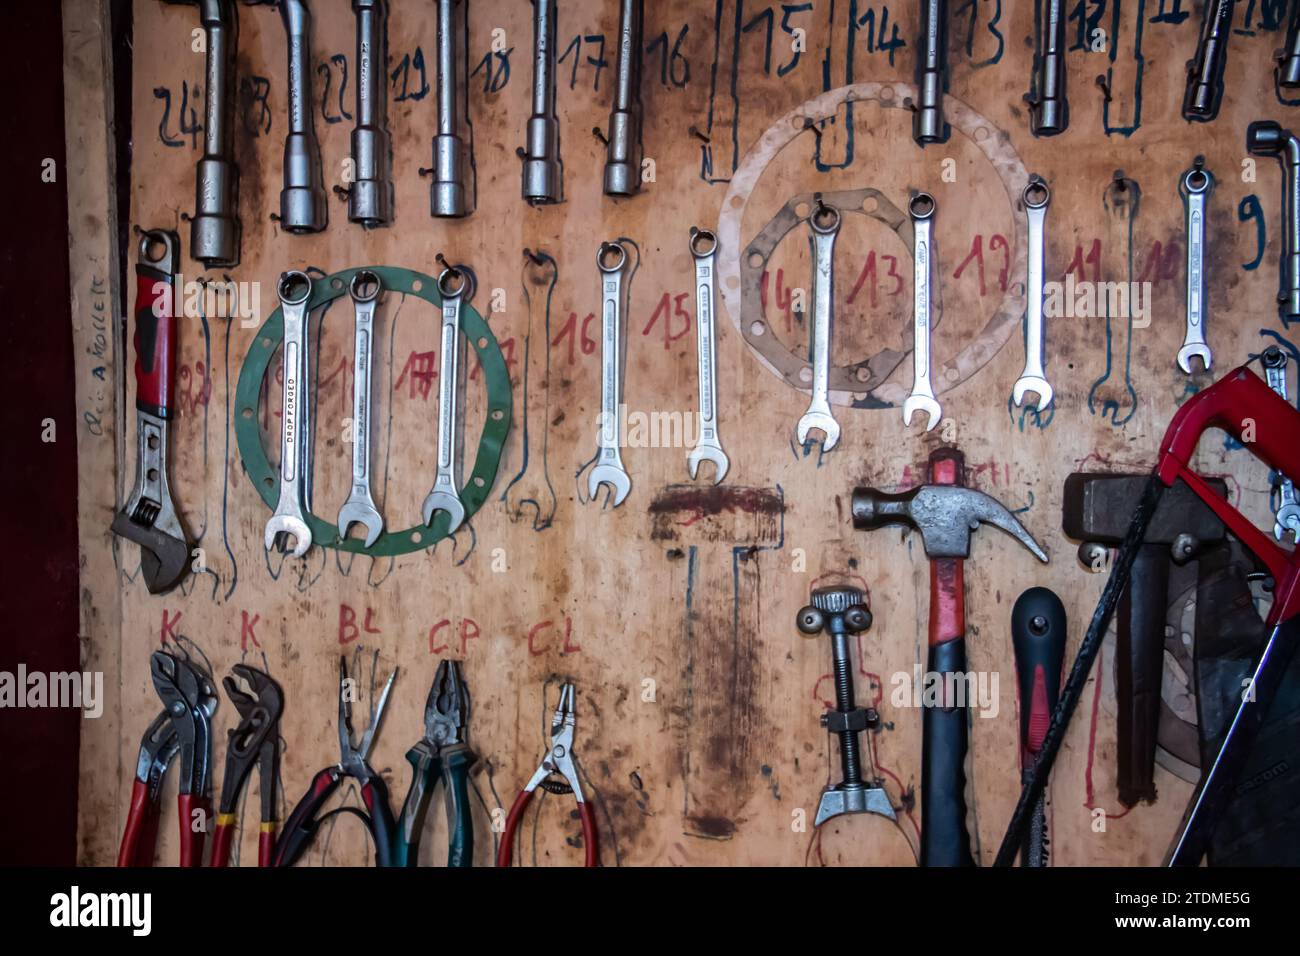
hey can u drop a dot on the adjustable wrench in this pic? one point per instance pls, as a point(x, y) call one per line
point(922, 398)
point(1205, 70)
point(360, 506)
point(825, 225)
point(149, 518)
point(543, 171)
point(449, 197)
point(302, 200)
point(704, 245)
point(928, 124)
point(1195, 184)
point(295, 422)
point(1049, 110)
point(370, 198)
point(454, 286)
point(609, 470)
point(623, 153)
point(1288, 512)
point(1267, 138)
point(214, 230)
point(1034, 379)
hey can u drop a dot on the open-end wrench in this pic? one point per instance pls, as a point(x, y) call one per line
point(149, 517)
point(370, 197)
point(704, 245)
point(922, 398)
point(454, 286)
point(1288, 511)
point(295, 417)
point(360, 506)
point(623, 153)
point(825, 225)
point(449, 197)
point(609, 470)
point(1049, 109)
point(1204, 89)
point(543, 171)
point(1195, 186)
point(1034, 378)
point(928, 123)
point(302, 200)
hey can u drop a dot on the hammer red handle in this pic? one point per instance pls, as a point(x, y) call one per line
point(155, 326)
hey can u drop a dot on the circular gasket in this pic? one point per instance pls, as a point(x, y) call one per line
point(496, 423)
point(846, 387)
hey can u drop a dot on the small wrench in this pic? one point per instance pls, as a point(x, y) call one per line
point(825, 225)
point(1196, 184)
point(609, 470)
point(922, 398)
point(454, 286)
point(1288, 512)
point(1034, 379)
point(360, 506)
point(703, 245)
point(295, 422)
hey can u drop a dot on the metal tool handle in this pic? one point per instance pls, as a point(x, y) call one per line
point(1050, 109)
point(623, 153)
point(823, 243)
point(370, 197)
point(363, 301)
point(1204, 89)
point(295, 291)
point(155, 322)
point(707, 358)
point(449, 383)
point(1195, 186)
point(611, 349)
point(928, 123)
point(1036, 214)
point(542, 173)
point(922, 211)
point(214, 229)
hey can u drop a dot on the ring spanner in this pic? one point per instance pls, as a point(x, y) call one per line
point(609, 470)
point(295, 422)
point(360, 506)
point(1034, 378)
point(454, 286)
point(704, 245)
point(1196, 184)
point(922, 398)
point(825, 225)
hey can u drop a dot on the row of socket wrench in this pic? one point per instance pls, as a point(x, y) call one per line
point(455, 286)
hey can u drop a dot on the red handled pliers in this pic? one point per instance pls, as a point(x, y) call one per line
point(255, 741)
point(558, 762)
point(184, 727)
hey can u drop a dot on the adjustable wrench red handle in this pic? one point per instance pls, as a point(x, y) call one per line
point(155, 322)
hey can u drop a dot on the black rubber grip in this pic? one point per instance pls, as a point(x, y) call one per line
point(944, 840)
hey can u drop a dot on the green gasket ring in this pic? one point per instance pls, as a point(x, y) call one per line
point(496, 423)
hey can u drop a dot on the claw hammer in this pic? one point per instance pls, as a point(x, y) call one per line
point(946, 513)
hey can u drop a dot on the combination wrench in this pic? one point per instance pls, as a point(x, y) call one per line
point(623, 152)
point(295, 421)
point(825, 225)
point(1195, 185)
point(1288, 511)
point(921, 209)
point(449, 197)
point(543, 170)
point(370, 197)
point(704, 246)
point(609, 470)
point(1034, 378)
point(302, 200)
point(454, 286)
point(360, 506)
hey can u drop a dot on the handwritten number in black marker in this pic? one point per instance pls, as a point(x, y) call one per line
point(495, 67)
point(673, 67)
point(1247, 210)
point(254, 96)
point(411, 62)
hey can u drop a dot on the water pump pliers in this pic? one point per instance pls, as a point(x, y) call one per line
point(255, 741)
point(443, 753)
point(558, 762)
point(184, 728)
point(301, 827)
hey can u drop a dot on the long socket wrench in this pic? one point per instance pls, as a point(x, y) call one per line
point(1195, 185)
point(1267, 138)
point(455, 286)
point(543, 170)
point(289, 518)
point(623, 152)
point(825, 225)
point(928, 123)
point(921, 209)
point(370, 197)
point(302, 200)
point(1204, 90)
point(1049, 106)
point(1287, 72)
point(609, 470)
point(364, 289)
point(449, 196)
point(1287, 517)
point(704, 246)
point(214, 228)
point(1036, 198)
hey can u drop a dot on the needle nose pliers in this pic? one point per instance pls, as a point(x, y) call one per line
point(183, 727)
point(557, 762)
point(442, 753)
point(256, 740)
point(301, 827)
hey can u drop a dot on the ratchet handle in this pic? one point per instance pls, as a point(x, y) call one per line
point(155, 327)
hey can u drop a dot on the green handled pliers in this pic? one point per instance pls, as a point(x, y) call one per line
point(442, 753)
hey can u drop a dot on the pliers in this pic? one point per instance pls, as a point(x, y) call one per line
point(443, 752)
point(558, 761)
point(302, 824)
point(183, 727)
point(256, 740)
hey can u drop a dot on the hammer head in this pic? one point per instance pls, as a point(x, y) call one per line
point(944, 514)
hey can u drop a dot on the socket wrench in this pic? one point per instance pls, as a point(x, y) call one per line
point(928, 123)
point(825, 225)
point(623, 152)
point(449, 197)
point(1049, 107)
point(302, 200)
point(360, 506)
point(1267, 138)
point(609, 470)
point(543, 170)
point(1287, 71)
point(370, 197)
point(1205, 70)
point(1195, 185)
point(454, 286)
point(704, 247)
point(921, 209)
point(289, 518)
point(1036, 197)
